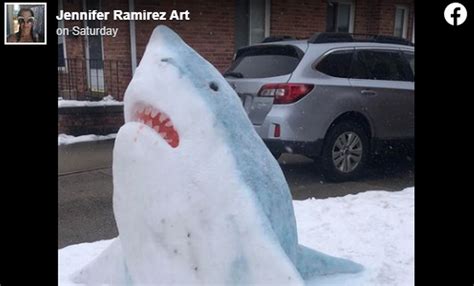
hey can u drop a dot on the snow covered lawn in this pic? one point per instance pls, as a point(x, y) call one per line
point(374, 228)
point(64, 139)
point(106, 101)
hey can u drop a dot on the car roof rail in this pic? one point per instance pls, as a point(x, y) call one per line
point(392, 40)
point(330, 37)
point(327, 37)
point(277, 39)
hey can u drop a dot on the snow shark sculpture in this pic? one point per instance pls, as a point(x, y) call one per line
point(198, 198)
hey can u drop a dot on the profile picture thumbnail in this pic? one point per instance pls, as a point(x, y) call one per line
point(25, 23)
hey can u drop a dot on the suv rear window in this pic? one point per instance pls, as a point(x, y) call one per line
point(265, 61)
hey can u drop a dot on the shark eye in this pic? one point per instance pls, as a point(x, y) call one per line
point(213, 86)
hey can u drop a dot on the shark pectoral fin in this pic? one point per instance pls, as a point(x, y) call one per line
point(256, 255)
point(108, 268)
point(311, 263)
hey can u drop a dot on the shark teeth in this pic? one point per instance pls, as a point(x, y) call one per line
point(141, 109)
point(163, 117)
point(158, 121)
point(147, 110)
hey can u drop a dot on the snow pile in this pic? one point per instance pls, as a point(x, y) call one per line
point(106, 101)
point(64, 139)
point(375, 228)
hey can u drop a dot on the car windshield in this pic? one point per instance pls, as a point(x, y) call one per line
point(264, 61)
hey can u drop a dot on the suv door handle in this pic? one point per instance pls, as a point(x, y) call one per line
point(368, 92)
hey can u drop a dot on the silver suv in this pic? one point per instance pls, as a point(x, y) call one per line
point(336, 96)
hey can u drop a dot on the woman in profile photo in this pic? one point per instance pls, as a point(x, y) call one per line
point(26, 20)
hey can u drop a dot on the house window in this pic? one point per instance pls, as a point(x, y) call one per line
point(340, 17)
point(252, 22)
point(401, 22)
point(61, 43)
point(94, 41)
point(257, 21)
point(94, 51)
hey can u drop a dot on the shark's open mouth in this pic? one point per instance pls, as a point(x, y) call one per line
point(158, 120)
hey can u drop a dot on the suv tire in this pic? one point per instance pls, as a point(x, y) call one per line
point(345, 152)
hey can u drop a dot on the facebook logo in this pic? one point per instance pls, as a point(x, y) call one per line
point(455, 14)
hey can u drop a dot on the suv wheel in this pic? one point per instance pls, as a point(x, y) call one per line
point(345, 152)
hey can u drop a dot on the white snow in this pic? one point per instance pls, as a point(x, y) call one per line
point(106, 101)
point(64, 139)
point(374, 228)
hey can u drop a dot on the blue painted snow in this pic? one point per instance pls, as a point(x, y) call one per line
point(259, 169)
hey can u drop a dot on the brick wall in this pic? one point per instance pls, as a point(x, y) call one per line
point(210, 31)
point(378, 16)
point(117, 66)
point(118, 48)
point(100, 120)
point(75, 47)
point(308, 17)
point(367, 17)
point(300, 20)
point(74, 44)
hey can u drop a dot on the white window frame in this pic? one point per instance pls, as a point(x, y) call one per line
point(351, 13)
point(268, 6)
point(87, 53)
point(266, 23)
point(405, 20)
point(61, 25)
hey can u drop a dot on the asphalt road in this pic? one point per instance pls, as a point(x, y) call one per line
point(85, 198)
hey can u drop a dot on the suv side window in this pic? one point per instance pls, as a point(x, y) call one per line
point(381, 65)
point(411, 61)
point(358, 69)
point(336, 64)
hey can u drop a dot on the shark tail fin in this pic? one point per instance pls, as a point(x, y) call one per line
point(311, 263)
